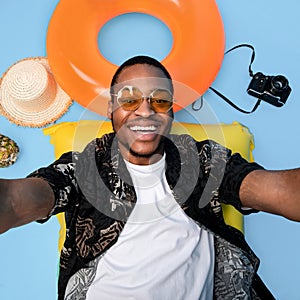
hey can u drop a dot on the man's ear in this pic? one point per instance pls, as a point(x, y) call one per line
point(109, 110)
point(172, 114)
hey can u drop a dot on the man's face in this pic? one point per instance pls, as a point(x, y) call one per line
point(141, 131)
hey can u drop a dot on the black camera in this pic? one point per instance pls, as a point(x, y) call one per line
point(272, 89)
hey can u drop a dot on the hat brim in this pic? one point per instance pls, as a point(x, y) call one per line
point(38, 117)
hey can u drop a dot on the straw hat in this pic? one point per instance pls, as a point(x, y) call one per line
point(29, 94)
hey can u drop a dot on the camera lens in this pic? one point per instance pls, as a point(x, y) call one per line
point(279, 83)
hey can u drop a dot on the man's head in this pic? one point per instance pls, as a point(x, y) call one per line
point(141, 59)
point(141, 108)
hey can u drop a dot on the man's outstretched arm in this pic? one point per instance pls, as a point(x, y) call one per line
point(23, 201)
point(276, 192)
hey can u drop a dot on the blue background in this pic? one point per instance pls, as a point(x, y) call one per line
point(28, 255)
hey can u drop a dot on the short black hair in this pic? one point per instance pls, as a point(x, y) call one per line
point(140, 60)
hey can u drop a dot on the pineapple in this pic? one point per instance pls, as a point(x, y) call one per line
point(8, 151)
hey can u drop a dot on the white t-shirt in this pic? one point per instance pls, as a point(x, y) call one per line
point(161, 252)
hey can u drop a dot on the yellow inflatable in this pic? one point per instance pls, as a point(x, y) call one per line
point(67, 136)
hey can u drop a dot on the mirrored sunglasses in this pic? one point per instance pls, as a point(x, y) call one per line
point(130, 98)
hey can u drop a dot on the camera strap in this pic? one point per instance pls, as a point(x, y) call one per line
point(252, 56)
point(235, 106)
point(223, 96)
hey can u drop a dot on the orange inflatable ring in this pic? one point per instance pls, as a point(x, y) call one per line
point(82, 71)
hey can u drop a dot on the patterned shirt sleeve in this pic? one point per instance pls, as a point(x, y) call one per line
point(225, 173)
point(60, 176)
point(237, 168)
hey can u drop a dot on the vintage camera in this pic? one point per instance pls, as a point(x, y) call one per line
point(272, 89)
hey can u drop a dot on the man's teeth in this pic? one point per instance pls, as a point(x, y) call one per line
point(143, 128)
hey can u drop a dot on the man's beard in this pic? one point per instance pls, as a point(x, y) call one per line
point(157, 150)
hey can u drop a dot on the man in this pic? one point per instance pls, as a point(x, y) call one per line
point(142, 207)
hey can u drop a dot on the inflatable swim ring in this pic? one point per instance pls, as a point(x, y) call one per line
point(82, 71)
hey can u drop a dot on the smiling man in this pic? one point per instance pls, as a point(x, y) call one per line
point(141, 125)
point(143, 206)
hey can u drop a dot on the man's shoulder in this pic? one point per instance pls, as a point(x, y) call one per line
point(187, 139)
point(101, 142)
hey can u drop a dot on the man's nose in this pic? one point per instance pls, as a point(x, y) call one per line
point(145, 109)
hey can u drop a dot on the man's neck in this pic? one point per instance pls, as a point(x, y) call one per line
point(144, 160)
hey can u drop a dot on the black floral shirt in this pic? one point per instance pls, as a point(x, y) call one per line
point(95, 191)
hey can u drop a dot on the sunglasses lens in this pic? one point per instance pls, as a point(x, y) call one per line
point(130, 98)
point(161, 100)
